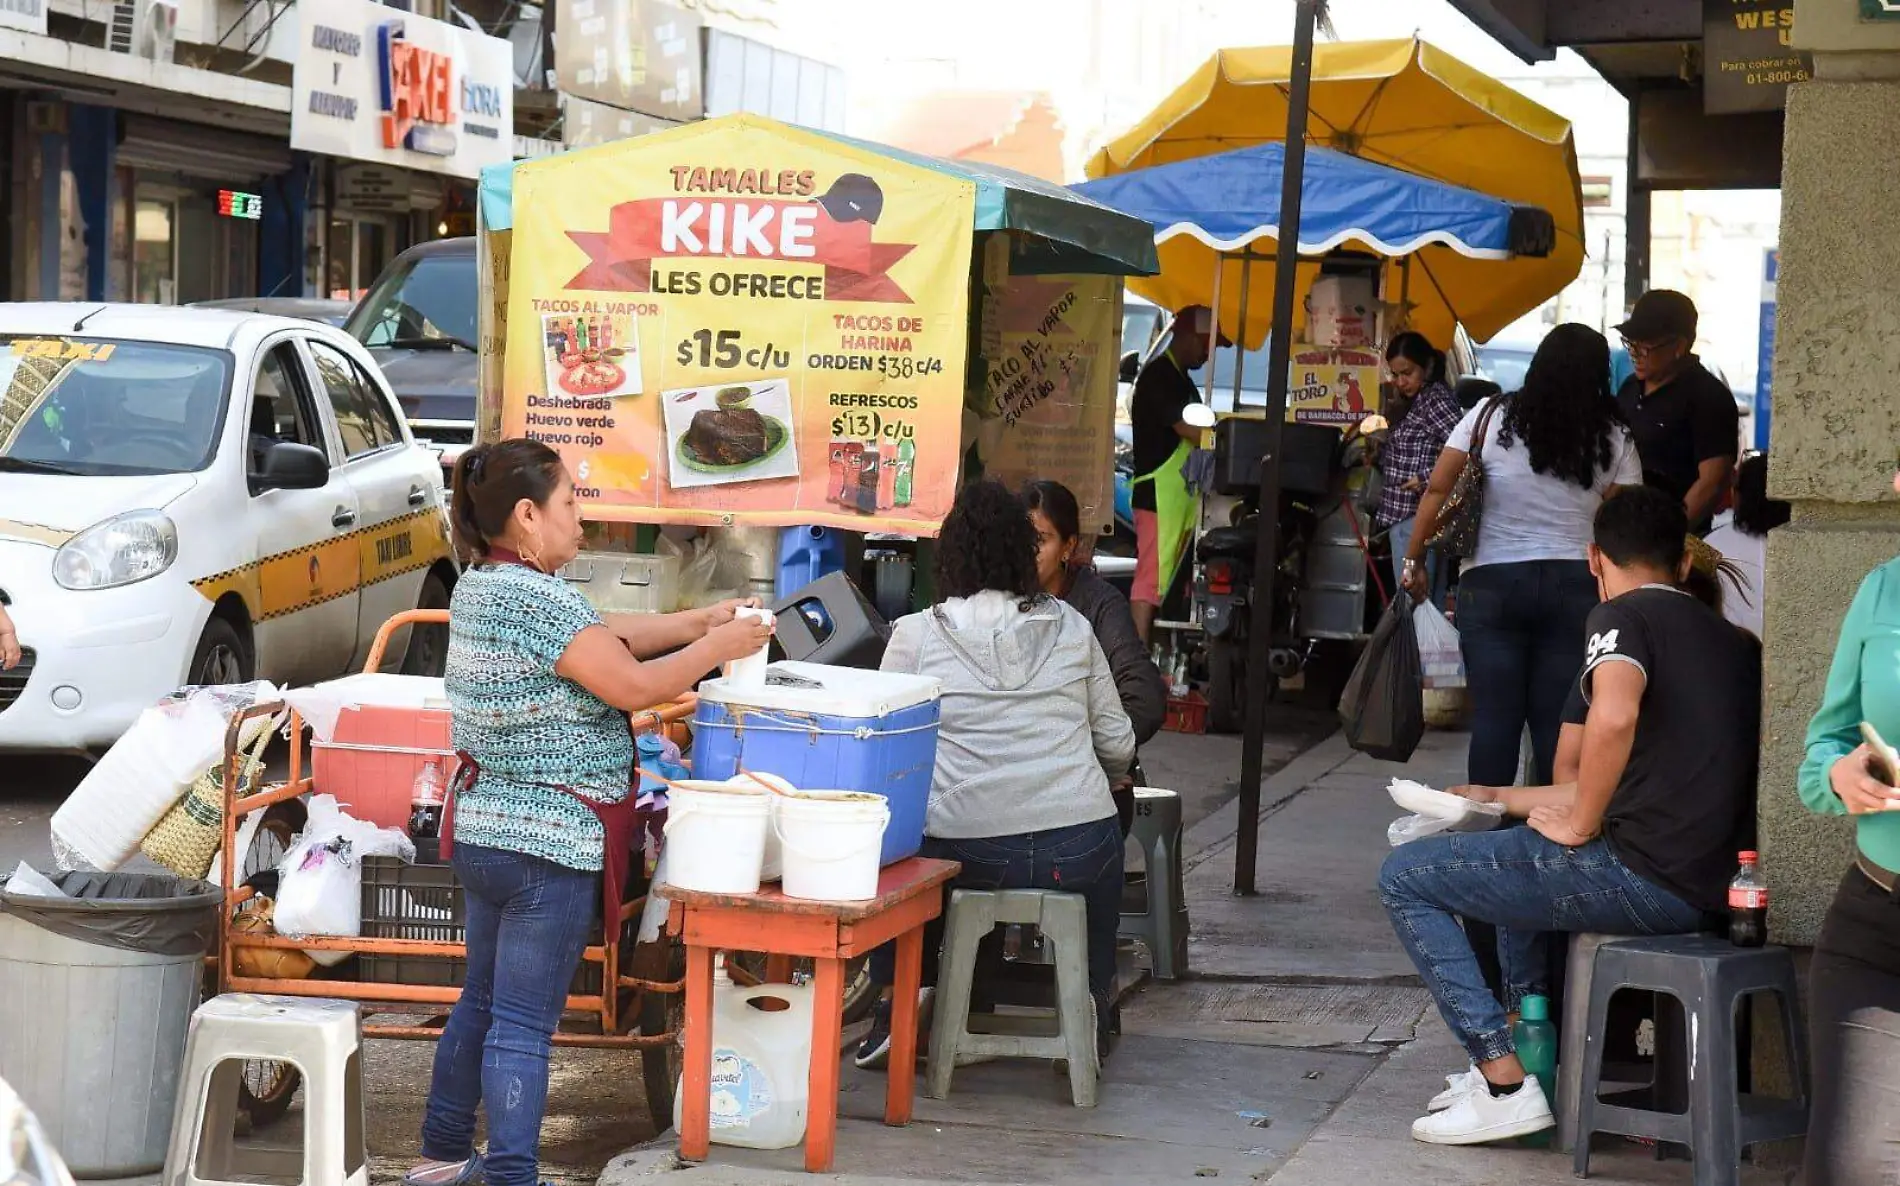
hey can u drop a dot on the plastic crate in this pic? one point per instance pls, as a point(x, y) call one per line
point(373, 756)
point(1186, 714)
point(426, 902)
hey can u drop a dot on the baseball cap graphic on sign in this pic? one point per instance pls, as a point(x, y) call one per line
point(1660, 313)
point(853, 198)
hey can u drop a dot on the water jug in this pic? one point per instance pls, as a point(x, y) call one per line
point(761, 1064)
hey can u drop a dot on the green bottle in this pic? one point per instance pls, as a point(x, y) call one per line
point(1536, 1041)
point(906, 465)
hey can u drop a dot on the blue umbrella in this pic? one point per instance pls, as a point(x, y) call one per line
point(1230, 202)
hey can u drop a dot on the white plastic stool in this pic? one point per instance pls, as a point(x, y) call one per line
point(323, 1040)
point(1064, 923)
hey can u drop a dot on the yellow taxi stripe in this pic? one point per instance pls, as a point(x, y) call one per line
point(287, 582)
point(33, 533)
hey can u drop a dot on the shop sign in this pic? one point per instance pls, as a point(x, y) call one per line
point(29, 15)
point(374, 84)
point(639, 55)
point(1765, 343)
point(372, 189)
point(740, 322)
point(1748, 55)
point(1333, 385)
point(1880, 10)
point(238, 204)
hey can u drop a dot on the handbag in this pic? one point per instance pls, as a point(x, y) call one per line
point(1463, 512)
point(188, 836)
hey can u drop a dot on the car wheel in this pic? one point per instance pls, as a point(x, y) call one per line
point(221, 657)
point(428, 652)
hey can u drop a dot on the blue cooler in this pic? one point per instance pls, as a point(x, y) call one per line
point(828, 729)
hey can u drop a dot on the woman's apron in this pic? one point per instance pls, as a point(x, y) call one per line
point(1176, 510)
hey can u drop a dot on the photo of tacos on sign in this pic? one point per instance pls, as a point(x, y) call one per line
point(592, 355)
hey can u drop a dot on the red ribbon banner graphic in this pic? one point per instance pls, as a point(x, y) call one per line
point(620, 258)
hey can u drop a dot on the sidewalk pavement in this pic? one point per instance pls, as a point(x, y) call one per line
point(1299, 1051)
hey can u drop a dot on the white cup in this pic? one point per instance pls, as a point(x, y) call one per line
point(749, 672)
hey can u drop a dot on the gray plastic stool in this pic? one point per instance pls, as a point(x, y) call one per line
point(1063, 921)
point(1709, 976)
point(1164, 926)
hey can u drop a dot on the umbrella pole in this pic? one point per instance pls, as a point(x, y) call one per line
point(1213, 328)
point(1286, 270)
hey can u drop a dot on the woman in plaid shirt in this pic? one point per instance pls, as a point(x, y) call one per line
point(1417, 369)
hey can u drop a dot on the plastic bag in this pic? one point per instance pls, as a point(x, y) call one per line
point(146, 771)
point(1383, 706)
point(1441, 662)
point(1437, 811)
point(713, 568)
point(321, 886)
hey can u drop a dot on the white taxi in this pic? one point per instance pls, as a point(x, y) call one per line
point(192, 496)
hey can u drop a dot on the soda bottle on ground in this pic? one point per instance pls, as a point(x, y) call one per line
point(1536, 1041)
point(1748, 904)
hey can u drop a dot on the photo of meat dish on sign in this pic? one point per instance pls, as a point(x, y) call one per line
point(731, 432)
point(592, 355)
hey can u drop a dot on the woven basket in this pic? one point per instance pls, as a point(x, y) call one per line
point(186, 838)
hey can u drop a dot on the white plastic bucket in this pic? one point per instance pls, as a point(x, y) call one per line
point(831, 842)
point(715, 836)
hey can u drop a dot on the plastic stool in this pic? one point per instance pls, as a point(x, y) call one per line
point(1164, 926)
point(1064, 923)
point(1709, 976)
point(322, 1039)
point(1582, 962)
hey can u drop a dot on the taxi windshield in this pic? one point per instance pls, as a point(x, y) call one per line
point(105, 407)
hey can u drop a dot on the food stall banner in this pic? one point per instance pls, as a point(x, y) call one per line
point(1333, 385)
point(1046, 407)
point(742, 322)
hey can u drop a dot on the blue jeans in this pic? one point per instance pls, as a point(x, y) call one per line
point(1521, 629)
point(1084, 859)
point(528, 920)
point(1523, 884)
point(1437, 567)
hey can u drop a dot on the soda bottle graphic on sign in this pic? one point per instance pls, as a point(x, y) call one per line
point(835, 491)
point(887, 480)
point(867, 479)
point(848, 476)
point(906, 467)
point(1748, 904)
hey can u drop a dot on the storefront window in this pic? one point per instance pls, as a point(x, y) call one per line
point(359, 250)
point(154, 254)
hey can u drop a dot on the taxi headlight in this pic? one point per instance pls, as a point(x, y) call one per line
point(119, 551)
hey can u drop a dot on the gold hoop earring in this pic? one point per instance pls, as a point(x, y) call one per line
point(531, 555)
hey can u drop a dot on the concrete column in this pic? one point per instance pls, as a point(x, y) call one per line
point(1836, 417)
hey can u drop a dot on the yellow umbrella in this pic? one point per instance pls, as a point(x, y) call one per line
point(1401, 103)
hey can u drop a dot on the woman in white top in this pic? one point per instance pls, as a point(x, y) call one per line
point(1552, 453)
point(1742, 538)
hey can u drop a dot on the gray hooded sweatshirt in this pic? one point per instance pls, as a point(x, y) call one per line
point(1032, 724)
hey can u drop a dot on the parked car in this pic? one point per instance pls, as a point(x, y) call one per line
point(420, 322)
point(199, 496)
point(312, 308)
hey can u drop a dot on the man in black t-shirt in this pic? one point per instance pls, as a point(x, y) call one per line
point(1683, 418)
point(1643, 842)
point(1162, 391)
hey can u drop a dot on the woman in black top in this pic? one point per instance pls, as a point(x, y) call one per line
point(1058, 523)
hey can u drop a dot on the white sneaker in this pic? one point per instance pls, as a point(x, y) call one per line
point(1456, 1088)
point(1480, 1117)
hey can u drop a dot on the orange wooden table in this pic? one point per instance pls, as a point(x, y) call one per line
point(909, 894)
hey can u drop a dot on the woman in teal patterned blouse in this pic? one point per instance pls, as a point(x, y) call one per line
point(540, 686)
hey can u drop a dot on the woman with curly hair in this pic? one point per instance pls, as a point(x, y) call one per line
point(1552, 453)
point(1031, 732)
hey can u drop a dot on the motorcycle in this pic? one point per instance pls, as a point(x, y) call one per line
point(1320, 610)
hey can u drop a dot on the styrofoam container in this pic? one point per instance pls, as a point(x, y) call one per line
point(831, 841)
point(869, 731)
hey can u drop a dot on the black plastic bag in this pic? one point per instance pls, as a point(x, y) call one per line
point(1383, 706)
point(146, 912)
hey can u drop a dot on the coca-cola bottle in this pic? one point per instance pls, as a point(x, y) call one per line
point(1748, 904)
point(427, 796)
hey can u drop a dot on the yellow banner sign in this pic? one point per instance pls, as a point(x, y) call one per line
point(1333, 385)
point(738, 321)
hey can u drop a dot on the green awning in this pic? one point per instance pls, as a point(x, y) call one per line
point(1063, 231)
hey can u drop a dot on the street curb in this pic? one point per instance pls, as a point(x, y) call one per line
point(1216, 833)
point(659, 1158)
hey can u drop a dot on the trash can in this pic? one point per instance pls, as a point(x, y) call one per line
point(100, 986)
